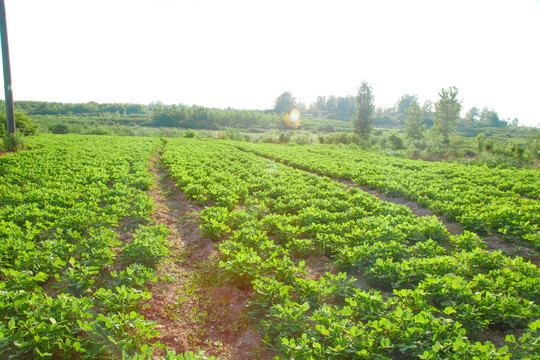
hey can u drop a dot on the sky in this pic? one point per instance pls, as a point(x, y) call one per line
point(245, 53)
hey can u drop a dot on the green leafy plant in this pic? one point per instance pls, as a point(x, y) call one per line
point(149, 245)
point(14, 142)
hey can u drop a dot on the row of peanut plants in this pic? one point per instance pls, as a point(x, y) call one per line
point(69, 288)
point(431, 295)
point(481, 199)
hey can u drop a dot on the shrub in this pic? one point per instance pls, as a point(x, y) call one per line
point(284, 138)
point(190, 133)
point(100, 130)
point(14, 142)
point(59, 129)
point(23, 124)
point(396, 142)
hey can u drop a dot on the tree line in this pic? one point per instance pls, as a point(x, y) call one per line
point(344, 108)
point(332, 107)
point(445, 119)
point(199, 117)
point(90, 108)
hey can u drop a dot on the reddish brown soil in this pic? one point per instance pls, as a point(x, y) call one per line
point(192, 306)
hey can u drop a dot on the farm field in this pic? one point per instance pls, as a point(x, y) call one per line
point(327, 270)
point(483, 200)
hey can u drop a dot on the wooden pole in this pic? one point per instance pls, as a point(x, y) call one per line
point(7, 71)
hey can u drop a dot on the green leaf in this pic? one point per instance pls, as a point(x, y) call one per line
point(510, 338)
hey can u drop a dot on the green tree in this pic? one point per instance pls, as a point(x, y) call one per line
point(491, 118)
point(331, 103)
point(414, 129)
point(402, 105)
point(427, 113)
point(345, 107)
point(284, 103)
point(320, 103)
point(473, 114)
point(447, 112)
point(363, 116)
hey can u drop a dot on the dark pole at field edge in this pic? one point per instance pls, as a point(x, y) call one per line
point(7, 71)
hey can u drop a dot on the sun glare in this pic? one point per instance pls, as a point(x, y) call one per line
point(292, 118)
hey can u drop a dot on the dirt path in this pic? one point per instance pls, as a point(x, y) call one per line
point(192, 306)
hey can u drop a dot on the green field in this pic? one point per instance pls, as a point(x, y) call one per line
point(321, 268)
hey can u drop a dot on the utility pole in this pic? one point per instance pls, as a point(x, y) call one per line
point(7, 71)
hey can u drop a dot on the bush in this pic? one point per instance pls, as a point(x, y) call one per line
point(100, 130)
point(396, 142)
point(342, 138)
point(59, 129)
point(23, 124)
point(284, 138)
point(301, 140)
point(190, 133)
point(14, 142)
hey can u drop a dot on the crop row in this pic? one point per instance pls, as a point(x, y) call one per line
point(430, 294)
point(481, 199)
point(69, 287)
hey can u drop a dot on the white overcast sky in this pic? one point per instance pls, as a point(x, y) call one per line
point(244, 54)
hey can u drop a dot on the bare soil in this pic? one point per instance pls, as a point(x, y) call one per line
point(496, 242)
point(193, 307)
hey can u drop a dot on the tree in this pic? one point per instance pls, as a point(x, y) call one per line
point(473, 114)
point(384, 117)
point(403, 104)
point(491, 118)
point(345, 107)
point(331, 103)
point(320, 103)
point(284, 103)
point(363, 118)
point(414, 129)
point(447, 112)
point(427, 113)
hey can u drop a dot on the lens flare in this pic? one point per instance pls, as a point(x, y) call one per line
point(292, 118)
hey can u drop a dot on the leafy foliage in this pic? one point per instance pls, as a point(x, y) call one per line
point(363, 116)
point(447, 112)
point(23, 123)
point(61, 204)
point(441, 291)
point(483, 200)
point(414, 129)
